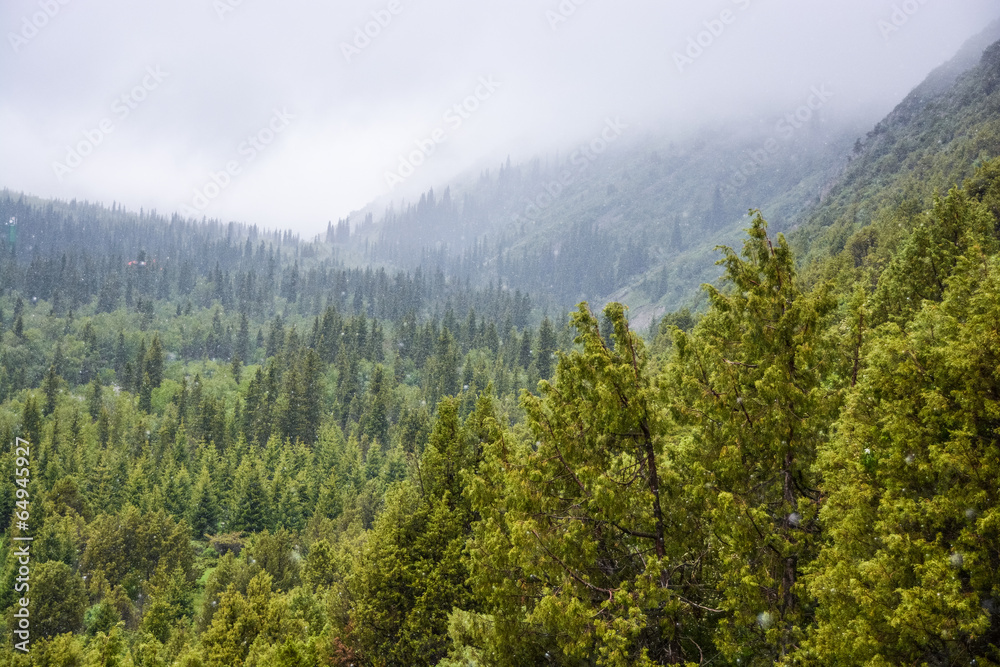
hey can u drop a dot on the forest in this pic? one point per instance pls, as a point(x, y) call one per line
point(233, 468)
point(225, 446)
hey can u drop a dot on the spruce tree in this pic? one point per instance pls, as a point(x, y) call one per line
point(250, 508)
point(50, 387)
point(153, 366)
point(204, 511)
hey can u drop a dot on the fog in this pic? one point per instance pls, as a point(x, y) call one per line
point(293, 113)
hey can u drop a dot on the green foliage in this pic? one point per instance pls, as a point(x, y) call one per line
point(244, 452)
point(748, 383)
point(909, 570)
point(58, 600)
point(251, 503)
point(411, 573)
point(126, 548)
point(576, 513)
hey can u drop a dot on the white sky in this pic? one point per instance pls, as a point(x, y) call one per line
point(226, 66)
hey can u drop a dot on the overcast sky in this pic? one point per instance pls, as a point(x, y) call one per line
point(293, 113)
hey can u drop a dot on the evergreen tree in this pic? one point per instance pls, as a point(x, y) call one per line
point(571, 554)
point(547, 345)
point(374, 421)
point(250, 506)
point(121, 359)
point(146, 393)
point(748, 383)
point(138, 370)
point(50, 387)
point(153, 366)
point(412, 573)
point(909, 572)
point(94, 402)
point(242, 346)
point(236, 368)
point(31, 422)
point(57, 601)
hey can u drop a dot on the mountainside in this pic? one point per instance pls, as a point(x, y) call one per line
point(936, 137)
point(639, 221)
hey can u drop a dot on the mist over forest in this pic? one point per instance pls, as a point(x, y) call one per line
point(568, 333)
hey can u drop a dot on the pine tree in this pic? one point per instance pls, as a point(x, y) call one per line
point(256, 415)
point(547, 345)
point(31, 422)
point(412, 573)
point(146, 393)
point(242, 347)
point(250, 505)
point(94, 402)
point(236, 368)
point(138, 370)
point(310, 396)
point(374, 421)
point(121, 359)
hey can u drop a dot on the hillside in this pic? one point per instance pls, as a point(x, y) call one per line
point(638, 222)
point(937, 136)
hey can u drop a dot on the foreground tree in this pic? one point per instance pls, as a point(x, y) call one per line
point(748, 385)
point(411, 573)
point(572, 553)
point(909, 574)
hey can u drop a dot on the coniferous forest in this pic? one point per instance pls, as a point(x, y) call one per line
point(243, 448)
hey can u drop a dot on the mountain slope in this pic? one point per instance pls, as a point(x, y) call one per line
point(637, 222)
point(936, 137)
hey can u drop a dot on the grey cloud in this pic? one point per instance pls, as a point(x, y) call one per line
point(564, 67)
